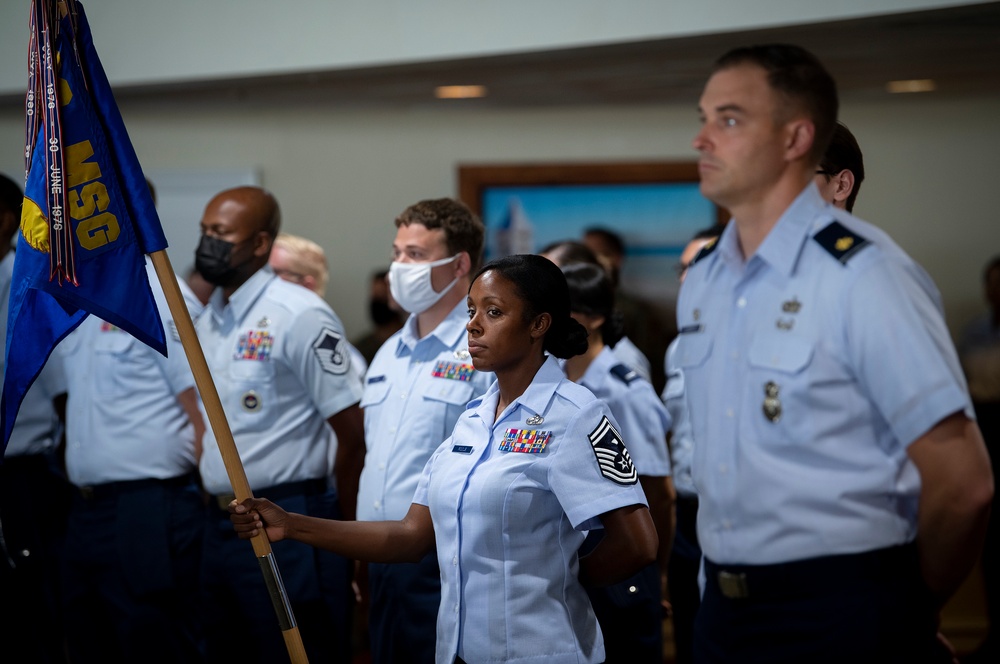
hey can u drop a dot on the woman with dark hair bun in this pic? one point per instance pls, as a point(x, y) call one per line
point(532, 466)
point(630, 612)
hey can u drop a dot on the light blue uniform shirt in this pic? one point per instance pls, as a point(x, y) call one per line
point(279, 359)
point(681, 440)
point(415, 391)
point(36, 429)
point(809, 369)
point(123, 420)
point(508, 524)
point(630, 355)
point(643, 418)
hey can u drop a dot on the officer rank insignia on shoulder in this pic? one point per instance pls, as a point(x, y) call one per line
point(612, 457)
point(332, 352)
point(254, 345)
point(840, 242)
point(525, 441)
point(453, 370)
point(624, 373)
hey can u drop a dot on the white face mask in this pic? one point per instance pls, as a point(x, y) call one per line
point(410, 285)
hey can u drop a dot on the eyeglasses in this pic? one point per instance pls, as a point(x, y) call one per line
point(681, 269)
point(826, 173)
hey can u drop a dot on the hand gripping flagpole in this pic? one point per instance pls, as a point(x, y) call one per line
point(227, 445)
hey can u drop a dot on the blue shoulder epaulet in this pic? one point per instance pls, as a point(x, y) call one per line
point(624, 373)
point(708, 248)
point(840, 242)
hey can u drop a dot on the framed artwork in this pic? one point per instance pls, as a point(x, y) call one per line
point(655, 207)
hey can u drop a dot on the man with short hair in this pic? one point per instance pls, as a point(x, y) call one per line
point(286, 381)
point(301, 261)
point(841, 170)
point(843, 483)
point(418, 384)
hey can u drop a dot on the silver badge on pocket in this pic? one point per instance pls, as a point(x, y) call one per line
point(772, 404)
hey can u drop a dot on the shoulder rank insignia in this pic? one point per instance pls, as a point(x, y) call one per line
point(624, 373)
point(705, 250)
point(525, 441)
point(612, 457)
point(839, 241)
point(453, 371)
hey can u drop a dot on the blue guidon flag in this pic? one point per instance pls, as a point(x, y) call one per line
point(88, 215)
point(612, 457)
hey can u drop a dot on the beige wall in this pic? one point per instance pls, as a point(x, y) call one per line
point(342, 175)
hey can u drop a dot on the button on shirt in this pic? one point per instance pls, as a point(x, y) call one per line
point(415, 390)
point(643, 418)
point(807, 377)
point(123, 420)
point(681, 440)
point(280, 362)
point(36, 427)
point(508, 525)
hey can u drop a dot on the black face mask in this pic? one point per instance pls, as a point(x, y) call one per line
point(381, 313)
point(212, 258)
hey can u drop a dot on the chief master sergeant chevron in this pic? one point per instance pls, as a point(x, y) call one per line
point(279, 358)
point(843, 483)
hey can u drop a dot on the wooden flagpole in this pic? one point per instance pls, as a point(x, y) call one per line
point(227, 445)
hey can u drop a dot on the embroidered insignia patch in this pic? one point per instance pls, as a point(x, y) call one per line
point(254, 345)
point(453, 371)
point(612, 457)
point(525, 441)
point(331, 352)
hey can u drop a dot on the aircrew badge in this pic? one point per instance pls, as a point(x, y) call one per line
point(264, 322)
point(772, 404)
point(534, 420)
point(453, 371)
point(791, 306)
point(254, 345)
point(525, 441)
point(462, 354)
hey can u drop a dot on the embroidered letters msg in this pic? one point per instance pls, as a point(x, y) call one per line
point(526, 441)
point(453, 371)
point(254, 345)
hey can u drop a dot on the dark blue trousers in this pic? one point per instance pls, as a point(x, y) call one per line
point(402, 618)
point(871, 607)
point(241, 624)
point(130, 573)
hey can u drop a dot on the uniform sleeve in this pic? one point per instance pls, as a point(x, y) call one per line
point(899, 345)
point(645, 422)
point(592, 472)
point(420, 496)
point(318, 353)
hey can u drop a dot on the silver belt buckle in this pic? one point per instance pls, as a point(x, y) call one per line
point(733, 585)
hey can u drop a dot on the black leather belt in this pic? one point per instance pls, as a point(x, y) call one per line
point(277, 492)
point(108, 490)
point(741, 582)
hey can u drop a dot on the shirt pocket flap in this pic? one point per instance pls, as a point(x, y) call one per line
point(693, 350)
point(455, 392)
point(780, 353)
point(374, 393)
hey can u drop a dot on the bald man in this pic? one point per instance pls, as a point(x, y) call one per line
point(280, 361)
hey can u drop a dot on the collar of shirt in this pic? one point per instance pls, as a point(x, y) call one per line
point(534, 401)
point(783, 245)
point(447, 334)
point(597, 373)
point(244, 297)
